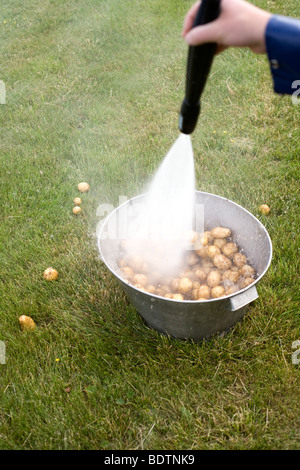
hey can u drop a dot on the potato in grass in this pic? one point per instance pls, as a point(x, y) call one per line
point(50, 274)
point(26, 323)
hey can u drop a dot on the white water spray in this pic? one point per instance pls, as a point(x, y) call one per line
point(166, 219)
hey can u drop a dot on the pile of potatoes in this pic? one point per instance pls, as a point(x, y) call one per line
point(215, 267)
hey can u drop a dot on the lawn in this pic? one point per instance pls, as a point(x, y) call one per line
point(93, 91)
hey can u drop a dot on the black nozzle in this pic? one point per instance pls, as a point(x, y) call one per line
point(188, 117)
point(199, 62)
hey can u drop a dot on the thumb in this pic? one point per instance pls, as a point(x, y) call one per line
point(202, 34)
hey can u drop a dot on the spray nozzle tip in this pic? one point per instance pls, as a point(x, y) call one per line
point(188, 117)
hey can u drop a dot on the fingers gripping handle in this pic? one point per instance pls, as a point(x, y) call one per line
point(199, 62)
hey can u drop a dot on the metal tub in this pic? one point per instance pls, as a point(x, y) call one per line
point(195, 320)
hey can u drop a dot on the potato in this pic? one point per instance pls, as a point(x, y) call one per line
point(77, 201)
point(168, 296)
point(196, 285)
point(192, 259)
point(151, 289)
point(229, 249)
point(197, 266)
point(231, 276)
point(234, 268)
point(201, 274)
point(140, 279)
point(219, 242)
point(203, 292)
point(232, 289)
point(135, 262)
point(207, 263)
point(222, 262)
point(174, 284)
point(83, 187)
point(207, 236)
point(212, 251)
point(203, 239)
point(26, 323)
point(76, 210)
point(239, 260)
point(202, 252)
point(177, 297)
point(128, 272)
point(245, 282)
point(184, 285)
point(213, 278)
point(50, 274)
point(159, 291)
point(166, 289)
point(220, 232)
point(139, 286)
point(247, 270)
point(264, 209)
point(217, 291)
point(194, 294)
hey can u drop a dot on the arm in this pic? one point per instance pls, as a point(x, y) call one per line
point(283, 49)
point(241, 24)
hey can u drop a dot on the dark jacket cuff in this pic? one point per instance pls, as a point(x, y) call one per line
point(283, 49)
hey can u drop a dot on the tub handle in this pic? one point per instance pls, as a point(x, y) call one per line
point(238, 301)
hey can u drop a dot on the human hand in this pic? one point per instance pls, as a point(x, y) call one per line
point(240, 24)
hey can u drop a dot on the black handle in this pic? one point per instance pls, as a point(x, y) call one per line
point(199, 62)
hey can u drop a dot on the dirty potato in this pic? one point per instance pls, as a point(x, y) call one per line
point(217, 291)
point(127, 272)
point(140, 279)
point(222, 262)
point(184, 285)
point(168, 296)
point(207, 264)
point(201, 274)
point(220, 232)
point(202, 252)
point(231, 276)
point(229, 249)
point(174, 284)
point(213, 278)
point(239, 260)
point(50, 274)
point(151, 289)
point(232, 289)
point(203, 292)
point(192, 259)
point(140, 287)
point(135, 262)
point(247, 270)
point(26, 323)
point(219, 242)
point(177, 297)
point(212, 251)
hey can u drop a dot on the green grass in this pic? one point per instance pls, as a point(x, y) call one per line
point(93, 92)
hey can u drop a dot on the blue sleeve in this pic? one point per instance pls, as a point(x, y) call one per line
point(283, 49)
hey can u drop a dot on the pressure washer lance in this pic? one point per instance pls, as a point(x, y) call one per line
point(199, 62)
